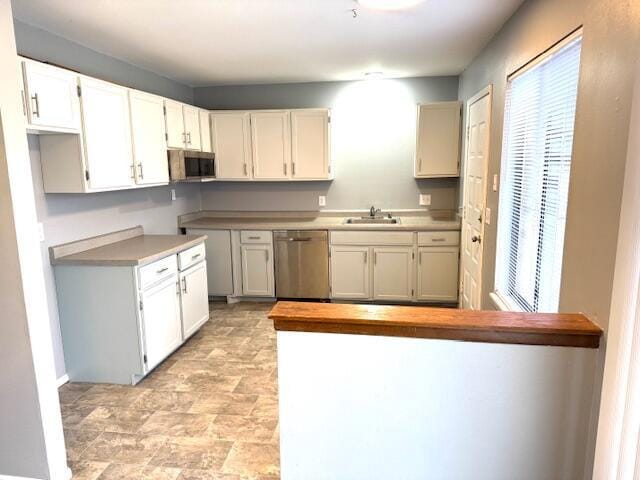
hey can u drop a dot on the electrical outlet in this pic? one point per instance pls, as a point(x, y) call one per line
point(41, 232)
point(425, 199)
point(322, 200)
point(173, 194)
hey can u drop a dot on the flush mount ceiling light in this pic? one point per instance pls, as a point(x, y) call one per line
point(373, 75)
point(389, 4)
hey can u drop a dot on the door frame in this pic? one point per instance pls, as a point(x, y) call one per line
point(486, 91)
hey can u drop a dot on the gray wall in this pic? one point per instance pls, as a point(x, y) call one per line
point(373, 145)
point(47, 47)
point(70, 217)
point(600, 139)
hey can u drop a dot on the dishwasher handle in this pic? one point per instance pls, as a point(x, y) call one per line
point(289, 239)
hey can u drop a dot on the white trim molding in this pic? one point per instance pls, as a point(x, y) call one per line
point(62, 380)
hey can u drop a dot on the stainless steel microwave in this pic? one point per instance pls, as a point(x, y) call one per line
point(186, 165)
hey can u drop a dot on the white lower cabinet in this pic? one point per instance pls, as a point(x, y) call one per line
point(438, 274)
point(393, 273)
point(350, 272)
point(257, 270)
point(160, 315)
point(194, 298)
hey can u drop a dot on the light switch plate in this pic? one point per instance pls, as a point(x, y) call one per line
point(425, 199)
point(495, 182)
point(487, 216)
point(322, 200)
point(41, 232)
point(173, 194)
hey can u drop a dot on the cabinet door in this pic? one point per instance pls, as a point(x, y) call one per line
point(350, 272)
point(205, 131)
point(192, 127)
point(174, 121)
point(393, 273)
point(438, 274)
point(219, 263)
point(161, 320)
point(107, 134)
point(271, 145)
point(438, 140)
point(232, 145)
point(310, 144)
point(52, 97)
point(194, 298)
point(257, 270)
point(148, 132)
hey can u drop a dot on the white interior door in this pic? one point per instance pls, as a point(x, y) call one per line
point(310, 144)
point(478, 131)
point(161, 320)
point(192, 127)
point(350, 272)
point(194, 298)
point(107, 134)
point(51, 96)
point(174, 118)
point(149, 144)
point(393, 273)
point(271, 145)
point(232, 145)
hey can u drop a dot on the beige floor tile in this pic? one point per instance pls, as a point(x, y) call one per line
point(123, 447)
point(70, 392)
point(77, 441)
point(86, 470)
point(252, 459)
point(245, 428)
point(206, 382)
point(115, 419)
point(192, 452)
point(257, 385)
point(110, 396)
point(224, 403)
point(190, 474)
point(138, 472)
point(176, 424)
point(157, 400)
point(72, 415)
point(266, 406)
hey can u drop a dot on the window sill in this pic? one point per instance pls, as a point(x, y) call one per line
point(502, 304)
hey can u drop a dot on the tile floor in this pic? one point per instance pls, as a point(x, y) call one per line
point(207, 412)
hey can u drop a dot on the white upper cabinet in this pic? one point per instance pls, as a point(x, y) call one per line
point(205, 131)
point(107, 135)
point(438, 140)
point(271, 145)
point(191, 127)
point(230, 133)
point(149, 144)
point(176, 137)
point(51, 97)
point(310, 144)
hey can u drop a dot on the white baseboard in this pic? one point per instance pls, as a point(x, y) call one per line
point(61, 381)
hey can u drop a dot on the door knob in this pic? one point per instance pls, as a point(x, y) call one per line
point(475, 238)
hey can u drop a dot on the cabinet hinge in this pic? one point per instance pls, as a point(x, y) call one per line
point(166, 137)
point(413, 255)
point(86, 175)
point(141, 305)
point(79, 90)
point(329, 119)
point(412, 292)
point(144, 358)
point(164, 110)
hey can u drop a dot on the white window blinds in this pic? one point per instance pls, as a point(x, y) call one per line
point(536, 160)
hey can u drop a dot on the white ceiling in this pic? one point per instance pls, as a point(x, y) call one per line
point(221, 42)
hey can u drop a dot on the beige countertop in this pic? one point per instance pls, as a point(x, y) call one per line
point(313, 221)
point(127, 247)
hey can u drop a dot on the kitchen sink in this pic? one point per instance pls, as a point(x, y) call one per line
point(372, 220)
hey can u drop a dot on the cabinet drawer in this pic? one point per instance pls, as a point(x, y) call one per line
point(438, 238)
point(156, 271)
point(371, 238)
point(255, 236)
point(191, 256)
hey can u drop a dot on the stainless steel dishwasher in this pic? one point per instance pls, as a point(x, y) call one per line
point(302, 263)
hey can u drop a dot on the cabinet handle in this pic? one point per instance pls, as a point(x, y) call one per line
point(419, 259)
point(133, 171)
point(244, 168)
point(285, 168)
point(141, 173)
point(267, 254)
point(366, 254)
point(375, 258)
point(36, 110)
point(189, 138)
point(254, 238)
point(419, 165)
point(438, 239)
point(195, 256)
point(293, 169)
point(162, 270)
point(184, 284)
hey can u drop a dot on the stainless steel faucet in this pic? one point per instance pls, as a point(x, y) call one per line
point(374, 212)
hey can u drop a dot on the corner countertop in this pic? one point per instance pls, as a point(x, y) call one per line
point(127, 247)
point(553, 329)
point(409, 221)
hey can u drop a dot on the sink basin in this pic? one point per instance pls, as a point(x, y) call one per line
point(372, 220)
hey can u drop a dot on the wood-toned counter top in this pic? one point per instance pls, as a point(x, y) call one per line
point(126, 247)
point(562, 329)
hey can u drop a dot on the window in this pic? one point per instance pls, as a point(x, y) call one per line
point(536, 161)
